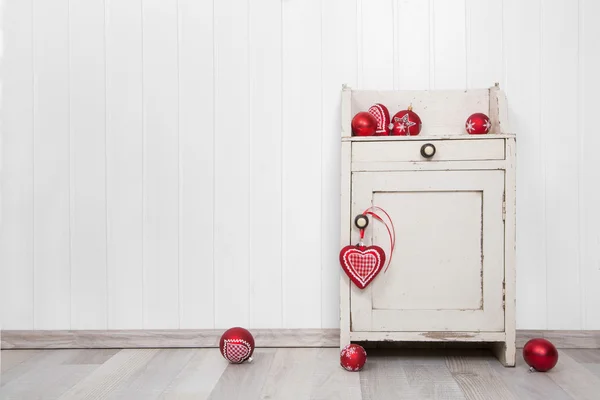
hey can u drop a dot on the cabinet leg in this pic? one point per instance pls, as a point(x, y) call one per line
point(505, 353)
point(344, 339)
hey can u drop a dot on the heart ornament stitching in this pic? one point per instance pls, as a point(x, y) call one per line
point(236, 350)
point(362, 264)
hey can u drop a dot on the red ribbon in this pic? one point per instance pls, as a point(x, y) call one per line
point(393, 230)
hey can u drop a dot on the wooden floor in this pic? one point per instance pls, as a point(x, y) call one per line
point(299, 373)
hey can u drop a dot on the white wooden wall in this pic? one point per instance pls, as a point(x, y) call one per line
point(175, 164)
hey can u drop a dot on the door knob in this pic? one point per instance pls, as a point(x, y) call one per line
point(428, 150)
point(361, 221)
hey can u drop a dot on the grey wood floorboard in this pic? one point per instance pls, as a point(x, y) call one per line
point(290, 374)
point(574, 378)
point(526, 385)
point(477, 379)
point(11, 358)
point(244, 381)
point(199, 377)
point(111, 375)
point(151, 380)
point(46, 378)
point(331, 382)
point(407, 374)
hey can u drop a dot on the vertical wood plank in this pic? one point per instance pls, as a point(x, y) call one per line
point(51, 145)
point(339, 68)
point(449, 60)
point(196, 91)
point(412, 45)
point(161, 164)
point(589, 166)
point(265, 162)
point(124, 166)
point(523, 88)
point(377, 45)
point(559, 105)
point(88, 165)
point(16, 168)
point(301, 154)
point(232, 103)
point(484, 43)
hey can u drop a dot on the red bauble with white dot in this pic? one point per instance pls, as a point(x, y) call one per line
point(406, 123)
point(364, 124)
point(237, 345)
point(353, 357)
point(478, 124)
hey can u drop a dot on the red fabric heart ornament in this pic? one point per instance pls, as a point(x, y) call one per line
point(362, 263)
point(382, 116)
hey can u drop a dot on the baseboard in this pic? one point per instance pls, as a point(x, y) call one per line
point(192, 338)
point(160, 338)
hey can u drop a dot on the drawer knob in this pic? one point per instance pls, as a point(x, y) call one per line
point(361, 221)
point(428, 150)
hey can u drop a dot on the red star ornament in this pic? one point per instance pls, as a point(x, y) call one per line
point(406, 123)
point(362, 263)
point(478, 124)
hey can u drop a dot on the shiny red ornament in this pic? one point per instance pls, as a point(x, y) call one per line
point(540, 354)
point(237, 345)
point(478, 124)
point(382, 116)
point(353, 357)
point(362, 263)
point(405, 123)
point(364, 124)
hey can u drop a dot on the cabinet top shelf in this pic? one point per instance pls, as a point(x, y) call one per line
point(455, 136)
point(442, 112)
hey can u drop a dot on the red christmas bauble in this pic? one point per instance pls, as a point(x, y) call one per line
point(405, 123)
point(478, 124)
point(364, 124)
point(353, 357)
point(540, 354)
point(382, 116)
point(237, 345)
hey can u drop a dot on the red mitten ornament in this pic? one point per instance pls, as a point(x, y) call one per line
point(237, 345)
point(363, 263)
point(364, 124)
point(382, 116)
point(406, 122)
point(478, 124)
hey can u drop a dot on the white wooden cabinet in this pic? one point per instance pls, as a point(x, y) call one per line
point(452, 275)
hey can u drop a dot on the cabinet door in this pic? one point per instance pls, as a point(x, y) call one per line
point(447, 270)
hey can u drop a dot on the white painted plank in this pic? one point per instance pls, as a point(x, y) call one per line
point(411, 46)
point(302, 123)
point(124, 166)
point(87, 85)
point(561, 153)
point(196, 135)
point(265, 163)
point(232, 140)
point(523, 93)
point(161, 164)
point(339, 68)
point(52, 275)
point(484, 44)
point(589, 166)
point(376, 57)
point(449, 55)
point(16, 169)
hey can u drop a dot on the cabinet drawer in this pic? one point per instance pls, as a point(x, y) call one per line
point(445, 150)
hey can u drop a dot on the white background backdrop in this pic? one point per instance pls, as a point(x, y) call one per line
point(175, 164)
